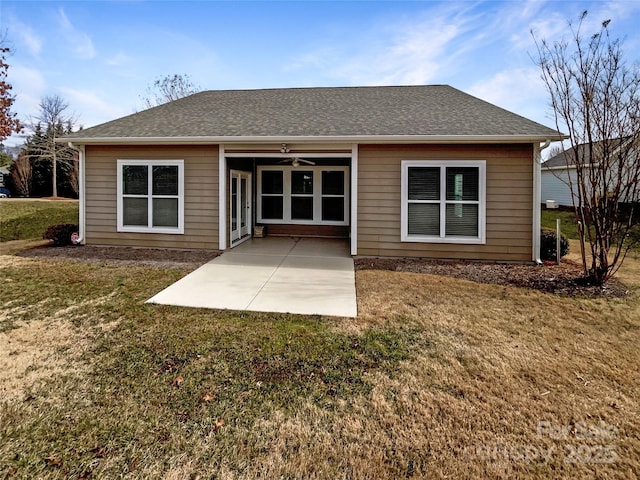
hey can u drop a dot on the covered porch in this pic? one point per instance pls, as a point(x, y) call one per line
point(303, 191)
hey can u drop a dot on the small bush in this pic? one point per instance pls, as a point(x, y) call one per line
point(60, 234)
point(548, 245)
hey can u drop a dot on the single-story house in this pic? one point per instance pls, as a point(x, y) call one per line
point(558, 173)
point(424, 171)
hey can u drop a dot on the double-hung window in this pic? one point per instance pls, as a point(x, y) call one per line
point(272, 194)
point(151, 196)
point(443, 201)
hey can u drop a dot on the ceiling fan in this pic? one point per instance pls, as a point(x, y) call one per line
point(295, 161)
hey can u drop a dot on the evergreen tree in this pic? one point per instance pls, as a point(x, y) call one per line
point(39, 150)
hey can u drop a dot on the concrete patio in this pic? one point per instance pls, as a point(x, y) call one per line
point(310, 276)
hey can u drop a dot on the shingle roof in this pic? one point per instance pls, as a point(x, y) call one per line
point(558, 160)
point(430, 110)
point(584, 154)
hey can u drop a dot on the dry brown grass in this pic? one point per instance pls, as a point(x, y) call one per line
point(36, 352)
point(500, 361)
point(629, 272)
point(33, 352)
point(486, 364)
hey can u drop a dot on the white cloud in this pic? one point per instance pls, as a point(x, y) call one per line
point(93, 105)
point(119, 59)
point(519, 90)
point(398, 51)
point(28, 86)
point(549, 27)
point(81, 43)
point(417, 55)
point(321, 57)
point(550, 21)
point(24, 35)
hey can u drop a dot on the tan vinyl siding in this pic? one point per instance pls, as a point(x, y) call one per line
point(509, 207)
point(200, 201)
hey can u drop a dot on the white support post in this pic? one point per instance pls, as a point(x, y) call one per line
point(537, 187)
point(558, 240)
point(354, 199)
point(222, 198)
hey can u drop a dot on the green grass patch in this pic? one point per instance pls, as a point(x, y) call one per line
point(568, 223)
point(27, 219)
point(569, 226)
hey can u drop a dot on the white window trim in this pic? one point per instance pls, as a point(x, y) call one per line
point(317, 194)
point(120, 204)
point(443, 164)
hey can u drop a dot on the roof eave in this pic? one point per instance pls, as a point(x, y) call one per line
point(370, 139)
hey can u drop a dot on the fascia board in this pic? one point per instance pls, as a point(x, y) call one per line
point(368, 139)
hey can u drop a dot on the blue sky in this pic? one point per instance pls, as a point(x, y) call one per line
point(102, 55)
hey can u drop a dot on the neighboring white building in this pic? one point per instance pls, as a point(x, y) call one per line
point(556, 176)
point(555, 182)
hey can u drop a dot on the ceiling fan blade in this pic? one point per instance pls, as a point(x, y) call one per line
point(308, 162)
point(295, 161)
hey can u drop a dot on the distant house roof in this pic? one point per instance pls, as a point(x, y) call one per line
point(424, 112)
point(559, 159)
point(584, 153)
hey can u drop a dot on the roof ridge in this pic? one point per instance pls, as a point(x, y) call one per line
point(338, 87)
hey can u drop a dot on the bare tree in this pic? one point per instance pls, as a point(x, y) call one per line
point(595, 98)
point(21, 176)
point(554, 150)
point(9, 122)
point(53, 116)
point(168, 89)
point(74, 175)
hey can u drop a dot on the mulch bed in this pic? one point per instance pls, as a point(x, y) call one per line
point(564, 279)
point(149, 257)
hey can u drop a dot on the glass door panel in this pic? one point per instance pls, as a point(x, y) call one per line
point(234, 207)
point(240, 205)
point(244, 205)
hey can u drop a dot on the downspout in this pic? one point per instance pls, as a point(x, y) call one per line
point(81, 192)
point(537, 200)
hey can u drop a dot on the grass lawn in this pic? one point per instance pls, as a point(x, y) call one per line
point(569, 227)
point(568, 224)
point(436, 378)
point(23, 219)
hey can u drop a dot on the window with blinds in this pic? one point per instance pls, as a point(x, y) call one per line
point(443, 201)
point(150, 196)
